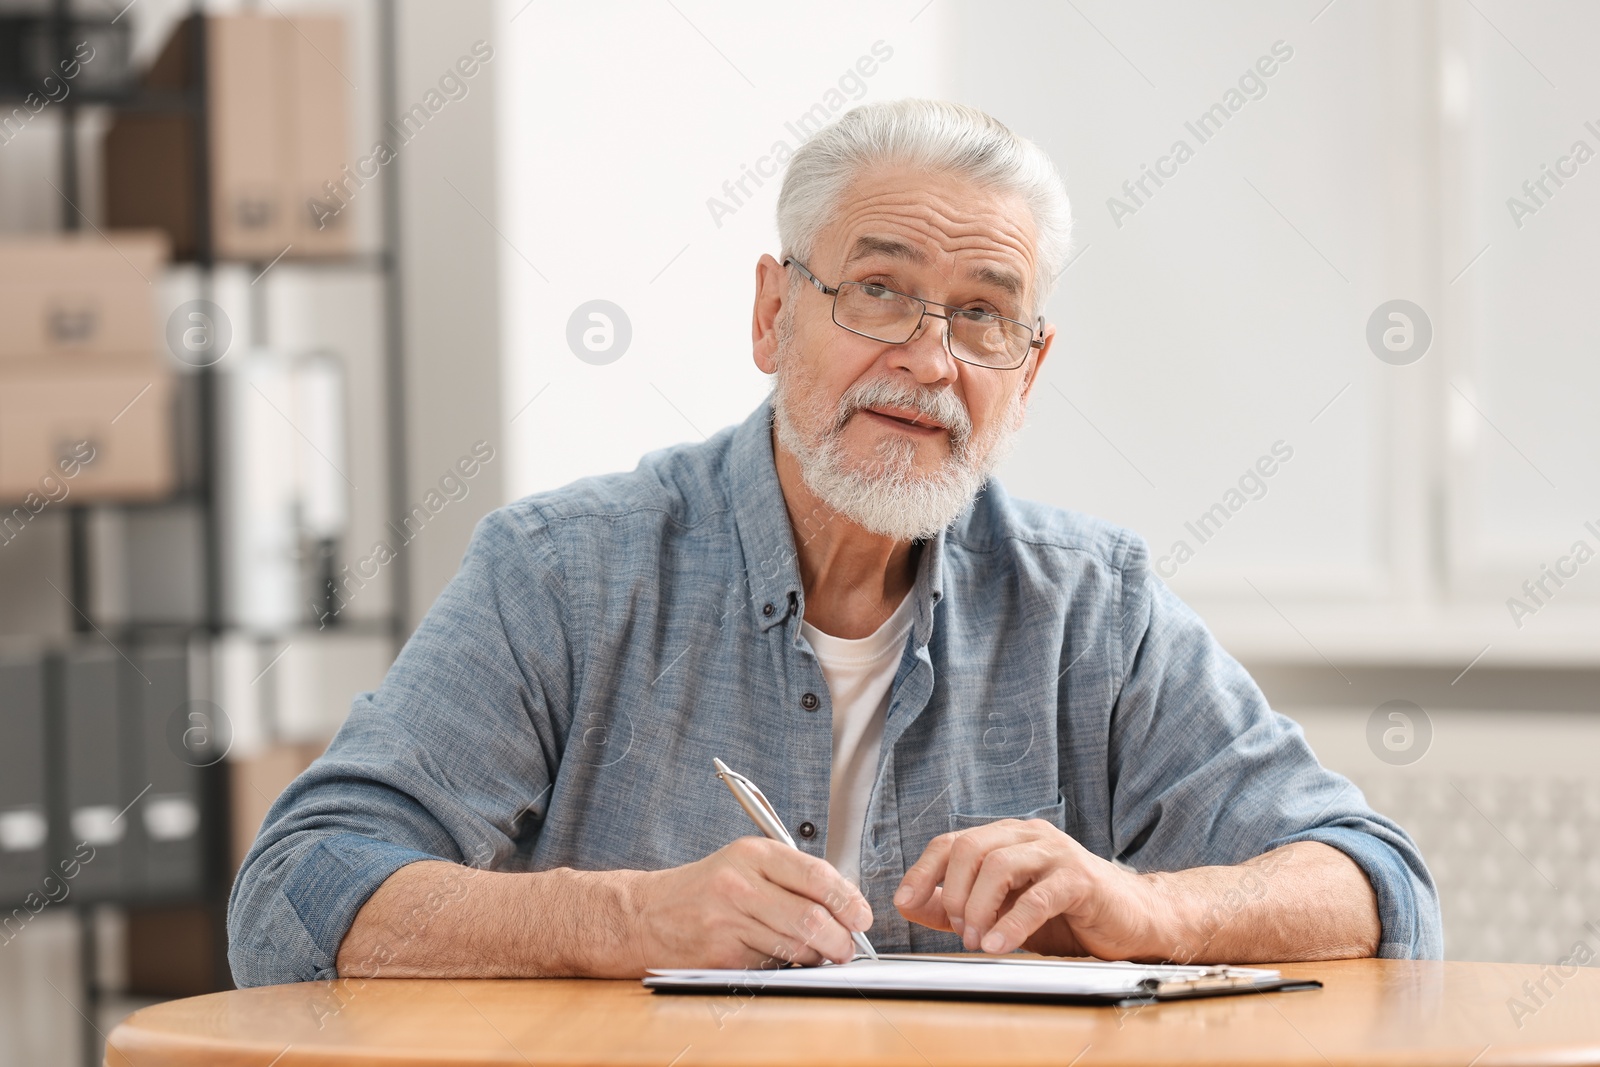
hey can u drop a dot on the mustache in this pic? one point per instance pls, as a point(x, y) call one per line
point(940, 406)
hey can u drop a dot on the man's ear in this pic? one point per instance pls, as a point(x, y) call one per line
point(771, 288)
point(1034, 367)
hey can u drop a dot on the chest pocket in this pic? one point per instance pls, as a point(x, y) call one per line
point(1055, 814)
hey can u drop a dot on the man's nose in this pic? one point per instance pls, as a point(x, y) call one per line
point(927, 354)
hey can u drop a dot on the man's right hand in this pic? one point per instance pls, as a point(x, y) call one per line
point(746, 904)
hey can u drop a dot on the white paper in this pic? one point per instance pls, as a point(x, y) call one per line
point(958, 975)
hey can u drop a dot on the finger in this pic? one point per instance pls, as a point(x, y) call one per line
point(781, 951)
point(929, 913)
point(1005, 871)
point(759, 911)
point(772, 922)
point(817, 881)
point(762, 948)
point(804, 924)
point(747, 939)
point(967, 855)
point(1037, 905)
point(742, 941)
point(918, 886)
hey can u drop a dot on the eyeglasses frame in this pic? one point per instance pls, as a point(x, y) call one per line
point(1034, 340)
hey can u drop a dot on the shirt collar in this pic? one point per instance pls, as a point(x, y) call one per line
point(768, 539)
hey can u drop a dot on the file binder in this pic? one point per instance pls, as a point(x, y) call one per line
point(165, 831)
point(97, 798)
point(24, 803)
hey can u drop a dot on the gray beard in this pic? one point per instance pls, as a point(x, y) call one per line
point(886, 494)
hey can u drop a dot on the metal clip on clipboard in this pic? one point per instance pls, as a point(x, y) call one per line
point(1213, 979)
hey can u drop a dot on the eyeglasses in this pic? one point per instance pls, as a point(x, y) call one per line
point(973, 335)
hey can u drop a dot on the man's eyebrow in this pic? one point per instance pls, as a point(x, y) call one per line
point(1003, 280)
point(870, 245)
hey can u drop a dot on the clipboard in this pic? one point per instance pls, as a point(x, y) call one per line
point(985, 978)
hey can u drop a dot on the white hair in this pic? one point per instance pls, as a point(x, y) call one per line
point(927, 135)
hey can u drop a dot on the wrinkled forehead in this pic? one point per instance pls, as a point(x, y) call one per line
point(932, 227)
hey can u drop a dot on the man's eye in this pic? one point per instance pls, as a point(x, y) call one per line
point(981, 315)
point(878, 292)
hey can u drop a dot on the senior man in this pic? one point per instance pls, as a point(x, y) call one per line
point(985, 722)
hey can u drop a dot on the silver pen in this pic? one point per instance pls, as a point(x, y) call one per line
point(761, 812)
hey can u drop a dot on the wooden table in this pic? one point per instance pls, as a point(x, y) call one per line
point(1370, 1011)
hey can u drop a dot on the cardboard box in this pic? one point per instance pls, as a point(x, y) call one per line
point(278, 131)
point(254, 784)
point(103, 432)
point(317, 115)
point(67, 297)
point(249, 139)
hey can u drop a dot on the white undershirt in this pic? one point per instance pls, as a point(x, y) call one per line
point(859, 673)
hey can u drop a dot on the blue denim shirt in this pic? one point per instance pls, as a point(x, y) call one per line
point(561, 702)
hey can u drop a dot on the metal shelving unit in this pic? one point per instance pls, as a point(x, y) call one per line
point(205, 495)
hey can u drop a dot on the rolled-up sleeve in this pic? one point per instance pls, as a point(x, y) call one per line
point(453, 757)
point(1204, 772)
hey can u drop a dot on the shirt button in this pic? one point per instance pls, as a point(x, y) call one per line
point(809, 701)
point(766, 609)
point(808, 830)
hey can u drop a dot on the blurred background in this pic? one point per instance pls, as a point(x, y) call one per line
point(292, 294)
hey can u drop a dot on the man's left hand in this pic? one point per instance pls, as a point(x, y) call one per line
point(1014, 884)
